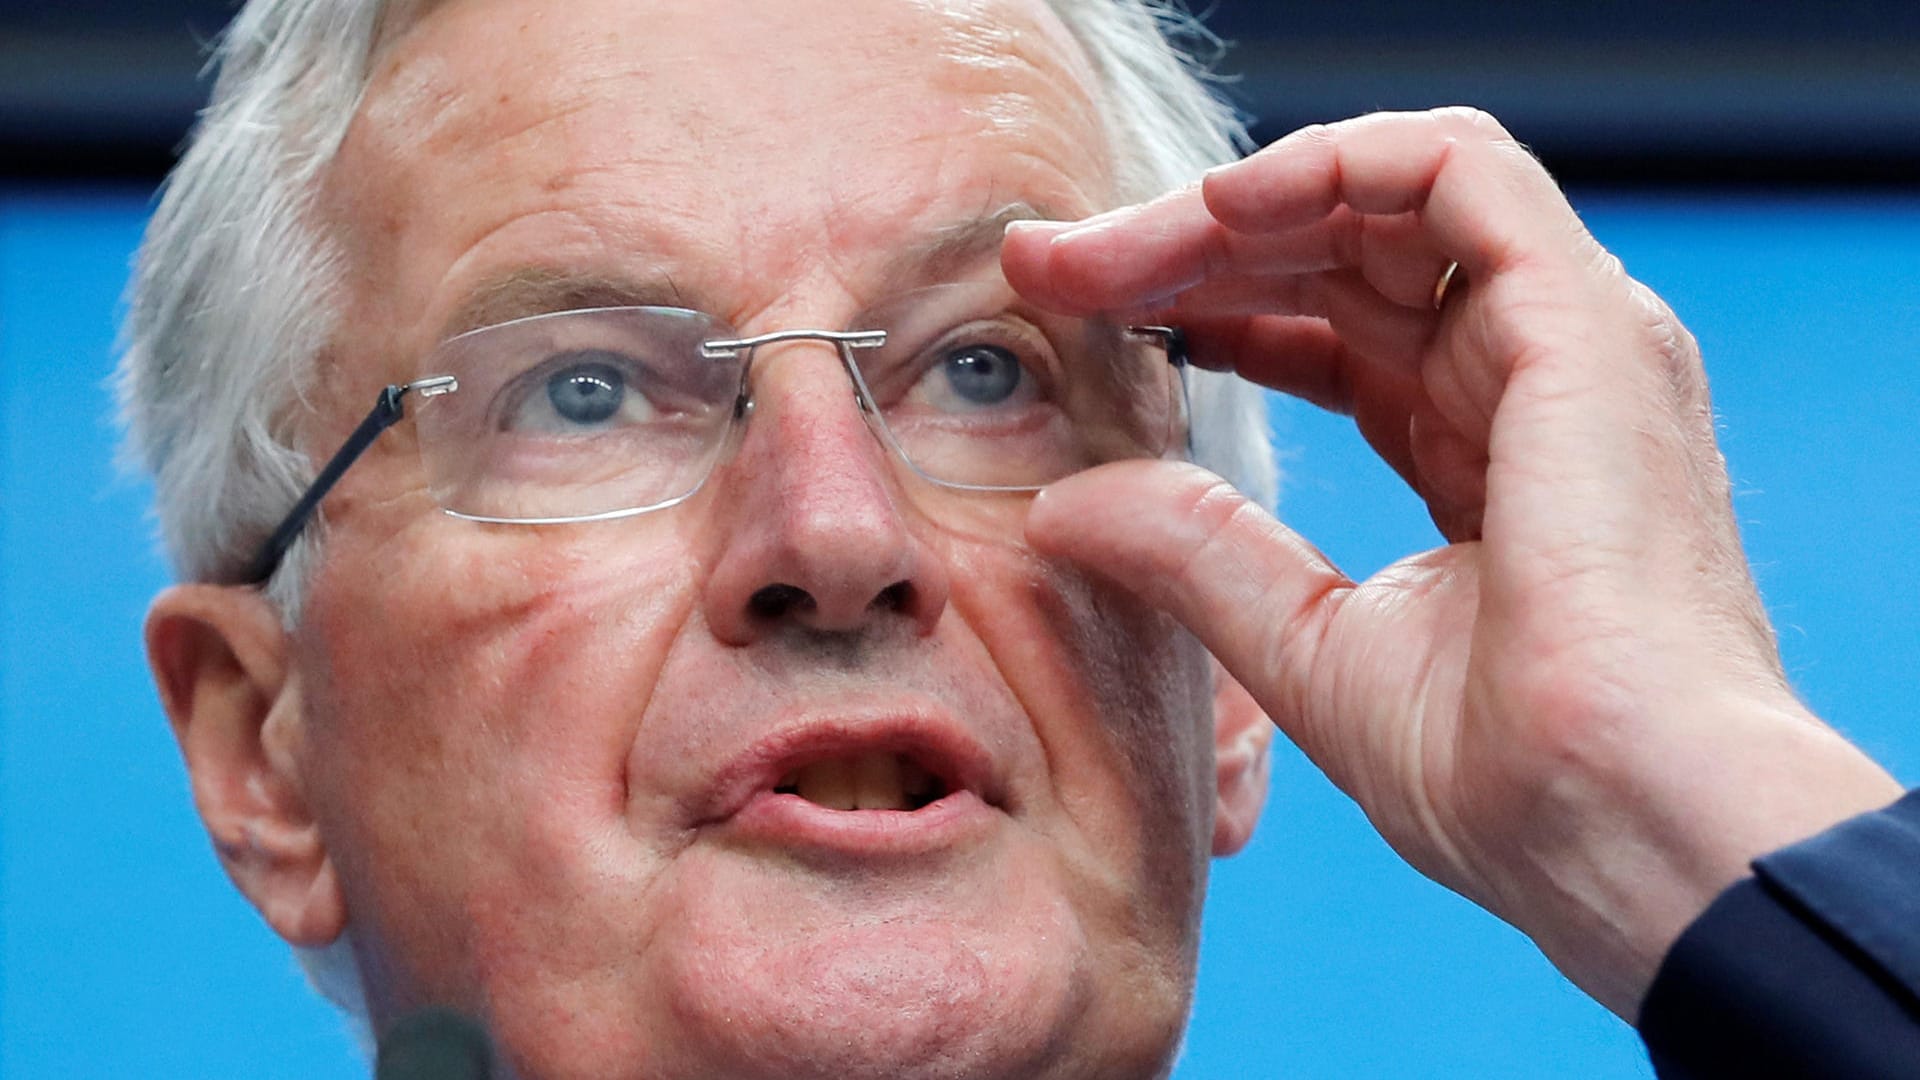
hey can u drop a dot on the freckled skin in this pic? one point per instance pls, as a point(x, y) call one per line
point(506, 726)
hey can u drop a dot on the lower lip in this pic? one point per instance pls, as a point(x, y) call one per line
point(790, 822)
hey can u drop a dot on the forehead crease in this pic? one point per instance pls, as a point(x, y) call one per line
point(1010, 58)
point(480, 85)
point(1015, 61)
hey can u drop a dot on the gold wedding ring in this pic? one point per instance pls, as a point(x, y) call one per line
point(1446, 281)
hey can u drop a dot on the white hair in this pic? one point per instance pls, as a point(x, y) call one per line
point(1166, 128)
point(235, 288)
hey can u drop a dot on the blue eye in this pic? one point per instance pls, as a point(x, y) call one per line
point(586, 393)
point(983, 374)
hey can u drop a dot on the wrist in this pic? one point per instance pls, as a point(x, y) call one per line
point(1631, 844)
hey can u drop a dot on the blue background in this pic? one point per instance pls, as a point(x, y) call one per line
point(123, 951)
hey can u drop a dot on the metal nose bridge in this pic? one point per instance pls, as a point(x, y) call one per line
point(852, 339)
point(845, 342)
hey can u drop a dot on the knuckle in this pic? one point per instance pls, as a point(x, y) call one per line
point(1601, 271)
point(1210, 500)
point(1213, 508)
point(1310, 139)
point(1316, 133)
point(1225, 521)
point(1674, 347)
point(1470, 120)
point(1471, 125)
point(1518, 156)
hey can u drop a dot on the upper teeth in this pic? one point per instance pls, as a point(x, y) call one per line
point(876, 781)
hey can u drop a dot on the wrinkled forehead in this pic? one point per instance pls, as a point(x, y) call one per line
point(775, 138)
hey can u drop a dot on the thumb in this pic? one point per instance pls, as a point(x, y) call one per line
point(1255, 593)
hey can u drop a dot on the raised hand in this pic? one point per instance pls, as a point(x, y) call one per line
point(1573, 712)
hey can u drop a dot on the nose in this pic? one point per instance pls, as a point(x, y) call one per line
point(815, 537)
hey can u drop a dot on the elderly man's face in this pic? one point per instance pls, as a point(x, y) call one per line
point(580, 780)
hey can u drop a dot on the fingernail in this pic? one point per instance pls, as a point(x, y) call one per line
point(1105, 221)
point(1032, 226)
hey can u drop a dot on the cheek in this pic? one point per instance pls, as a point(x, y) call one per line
point(1120, 698)
point(473, 711)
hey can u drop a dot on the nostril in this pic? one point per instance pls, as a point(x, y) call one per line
point(780, 601)
point(895, 597)
point(777, 601)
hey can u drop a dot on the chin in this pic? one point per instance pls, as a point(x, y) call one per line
point(898, 988)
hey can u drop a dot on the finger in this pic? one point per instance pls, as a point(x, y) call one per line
point(1552, 322)
point(1368, 322)
point(1396, 196)
point(1450, 471)
point(1383, 410)
point(1393, 253)
point(1482, 195)
point(1025, 255)
point(1397, 256)
point(1029, 256)
point(1140, 254)
point(1305, 358)
point(1253, 591)
point(1296, 355)
point(1143, 254)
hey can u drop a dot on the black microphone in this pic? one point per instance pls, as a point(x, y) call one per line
point(434, 1044)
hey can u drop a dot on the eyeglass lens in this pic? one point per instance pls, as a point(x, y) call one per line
point(605, 412)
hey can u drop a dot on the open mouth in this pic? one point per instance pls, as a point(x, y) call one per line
point(893, 783)
point(873, 780)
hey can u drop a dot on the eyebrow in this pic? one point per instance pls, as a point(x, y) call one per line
point(944, 256)
point(955, 249)
point(531, 291)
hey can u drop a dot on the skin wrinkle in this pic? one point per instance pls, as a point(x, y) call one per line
point(525, 622)
point(1067, 622)
point(533, 130)
point(517, 293)
point(987, 54)
point(1049, 587)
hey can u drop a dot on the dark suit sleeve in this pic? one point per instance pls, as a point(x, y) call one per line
point(1809, 968)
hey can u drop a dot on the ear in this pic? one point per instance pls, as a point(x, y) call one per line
point(220, 657)
point(1242, 736)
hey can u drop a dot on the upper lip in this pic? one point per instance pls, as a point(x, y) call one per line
point(929, 737)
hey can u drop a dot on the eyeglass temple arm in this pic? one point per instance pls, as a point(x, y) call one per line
point(387, 411)
point(1171, 338)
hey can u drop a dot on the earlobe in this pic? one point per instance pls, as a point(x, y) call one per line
point(220, 658)
point(1243, 737)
